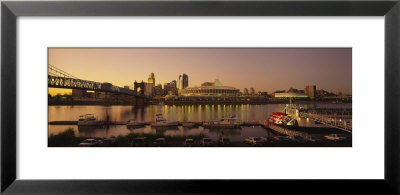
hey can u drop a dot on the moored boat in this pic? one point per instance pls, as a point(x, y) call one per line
point(280, 118)
point(224, 123)
point(190, 124)
point(89, 120)
point(135, 123)
point(162, 122)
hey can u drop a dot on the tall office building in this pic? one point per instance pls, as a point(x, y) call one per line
point(245, 91)
point(310, 91)
point(252, 92)
point(152, 79)
point(183, 81)
point(158, 90)
point(173, 84)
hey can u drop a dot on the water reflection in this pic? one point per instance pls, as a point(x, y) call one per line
point(93, 131)
point(184, 113)
point(135, 127)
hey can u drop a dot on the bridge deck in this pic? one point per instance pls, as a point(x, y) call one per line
point(74, 83)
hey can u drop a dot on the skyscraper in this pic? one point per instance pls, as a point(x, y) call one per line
point(183, 81)
point(252, 91)
point(173, 83)
point(152, 79)
point(245, 91)
point(310, 91)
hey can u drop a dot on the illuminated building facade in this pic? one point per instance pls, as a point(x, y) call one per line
point(183, 81)
point(290, 95)
point(152, 79)
point(209, 89)
point(311, 91)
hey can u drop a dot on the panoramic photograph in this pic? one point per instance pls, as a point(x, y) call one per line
point(199, 97)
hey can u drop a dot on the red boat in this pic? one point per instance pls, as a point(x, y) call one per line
point(280, 118)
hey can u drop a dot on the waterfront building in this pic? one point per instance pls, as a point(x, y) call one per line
point(252, 92)
point(311, 91)
point(148, 89)
point(322, 94)
point(212, 93)
point(264, 93)
point(290, 95)
point(144, 88)
point(79, 93)
point(214, 90)
point(158, 90)
point(174, 84)
point(100, 95)
point(170, 88)
point(245, 91)
point(293, 90)
point(152, 79)
point(183, 81)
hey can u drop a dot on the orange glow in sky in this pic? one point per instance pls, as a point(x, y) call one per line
point(55, 91)
point(264, 69)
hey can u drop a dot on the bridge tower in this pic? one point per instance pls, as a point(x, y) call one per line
point(140, 86)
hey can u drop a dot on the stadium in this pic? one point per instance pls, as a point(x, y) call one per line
point(209, 89)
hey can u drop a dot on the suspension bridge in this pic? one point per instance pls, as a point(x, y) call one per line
point(58, 78)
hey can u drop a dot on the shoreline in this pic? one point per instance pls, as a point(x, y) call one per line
point(90, 103)
point(69, 139)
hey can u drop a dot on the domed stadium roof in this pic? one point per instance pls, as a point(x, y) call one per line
point(217, 83)
point(216, 89)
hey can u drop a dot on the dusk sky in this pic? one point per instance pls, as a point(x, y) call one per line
point(264, 69)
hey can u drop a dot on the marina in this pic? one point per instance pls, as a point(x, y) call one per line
point(297, 131)
point(195, 122)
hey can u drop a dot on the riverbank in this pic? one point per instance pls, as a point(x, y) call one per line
point(182, 103)
point(68, 139)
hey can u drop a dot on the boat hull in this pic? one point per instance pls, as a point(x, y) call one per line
point(171, 124)
point(135, 124)
point(221, 126)
point(90, 123)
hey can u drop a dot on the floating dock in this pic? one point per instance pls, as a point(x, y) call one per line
point(63, 123)
point(285, 130)
point(76, 123)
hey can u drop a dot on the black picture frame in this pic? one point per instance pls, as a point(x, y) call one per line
point(11, 10)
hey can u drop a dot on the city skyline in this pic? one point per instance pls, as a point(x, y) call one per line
point(264, 69)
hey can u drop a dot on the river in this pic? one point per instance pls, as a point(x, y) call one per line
point(184, 113)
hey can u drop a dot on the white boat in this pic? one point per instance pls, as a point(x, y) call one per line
point(89, 120)
point(228, 123)
point(162, 122)
point(135, 123)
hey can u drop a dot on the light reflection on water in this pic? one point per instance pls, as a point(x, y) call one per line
point(184, 113)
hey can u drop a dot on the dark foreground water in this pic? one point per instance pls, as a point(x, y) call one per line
point(180, 113)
